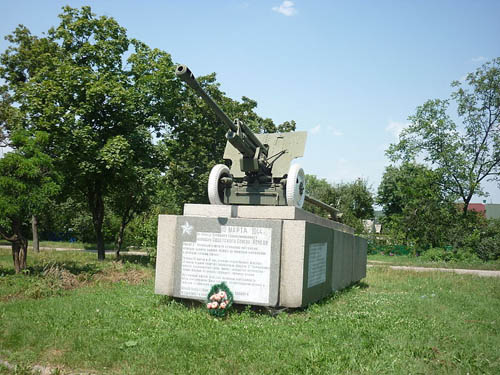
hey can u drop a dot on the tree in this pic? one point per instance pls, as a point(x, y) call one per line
point(27, 186)
point(416, 207)
point(354, 199)
point(98, 108)
point(133, 198)
point(464, 155)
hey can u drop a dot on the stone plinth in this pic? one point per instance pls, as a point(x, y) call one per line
point(270, 256)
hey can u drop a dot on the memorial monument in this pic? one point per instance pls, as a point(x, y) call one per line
point(254, 236)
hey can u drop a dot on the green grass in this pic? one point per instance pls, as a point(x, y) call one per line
point(410, 260)
point(393, 322)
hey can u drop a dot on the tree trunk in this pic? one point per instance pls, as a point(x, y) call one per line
point(23, 253)
point(127, 216)
point(15, 256)
point(34, 228)
point(96, 204)
point(466, 205)
point(101, 254)
point(19, 254)
point(19, 247)
point(119, 241)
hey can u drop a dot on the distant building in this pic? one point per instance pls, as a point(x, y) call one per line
point(477, 207)
point(375, 225)
point(489, 211)
point(493, 211)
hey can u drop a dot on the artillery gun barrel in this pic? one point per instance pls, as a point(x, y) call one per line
point(332, 210)
point(184, 73)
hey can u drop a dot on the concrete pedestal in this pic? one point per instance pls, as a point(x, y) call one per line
point(269, 256)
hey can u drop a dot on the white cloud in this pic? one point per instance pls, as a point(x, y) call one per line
point(335, 132)
point(478, 59)
point(287, 8)
point(395, 128)
point(315, 130)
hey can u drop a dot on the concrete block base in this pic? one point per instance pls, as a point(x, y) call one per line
point(269, 256)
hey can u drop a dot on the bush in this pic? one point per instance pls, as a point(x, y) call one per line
point(438, 254)
point(143, 232)
point(489, 248)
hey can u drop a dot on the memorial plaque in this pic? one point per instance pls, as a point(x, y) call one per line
point(317, 264)
point(244, 254)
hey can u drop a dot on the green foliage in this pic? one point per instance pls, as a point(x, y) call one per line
point(354, 200)
point(98, 95)
point(417, 210)
point(488, 247)
point(143, 232)
point(378, 248)
point(122, 130)
point(28, 186)
point(464, 154)
point(448, 255)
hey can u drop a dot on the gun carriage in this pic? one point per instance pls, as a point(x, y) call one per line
point(260, 170)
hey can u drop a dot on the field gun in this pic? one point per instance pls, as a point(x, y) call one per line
point(260, 171)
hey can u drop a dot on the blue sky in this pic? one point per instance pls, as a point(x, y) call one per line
point(350, 73)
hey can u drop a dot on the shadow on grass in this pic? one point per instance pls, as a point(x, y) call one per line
point(9, 271)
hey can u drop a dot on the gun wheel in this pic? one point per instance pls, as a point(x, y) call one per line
point(295, 186)
point(215, 187)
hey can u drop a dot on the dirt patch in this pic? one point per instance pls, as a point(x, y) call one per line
point(57, 279)
point(118, 273)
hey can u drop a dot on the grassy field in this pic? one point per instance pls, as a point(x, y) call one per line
point(72, 313)
point(410, 260)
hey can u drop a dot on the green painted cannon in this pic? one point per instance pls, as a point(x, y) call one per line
point(260, 168)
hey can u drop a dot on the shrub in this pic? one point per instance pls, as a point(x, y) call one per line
point(489, 248)
point(437, 254)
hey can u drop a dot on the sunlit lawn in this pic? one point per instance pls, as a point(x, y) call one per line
point(111, 322)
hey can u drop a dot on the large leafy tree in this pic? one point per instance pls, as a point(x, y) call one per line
point(28, 185)
point(463, 153)
point(100, 97)
point(417, 209)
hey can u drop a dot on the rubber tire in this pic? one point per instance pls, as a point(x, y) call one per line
point(295, 177)
point(217, 172)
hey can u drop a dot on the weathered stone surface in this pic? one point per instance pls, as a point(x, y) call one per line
point(292, 263)
point(166, 254)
